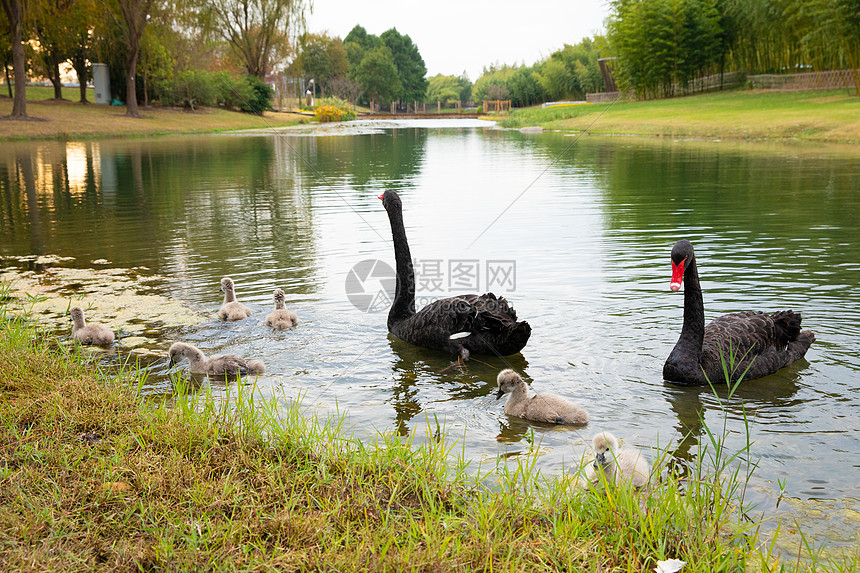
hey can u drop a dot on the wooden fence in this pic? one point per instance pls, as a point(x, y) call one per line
point(497, 105)
point(702, 84)
point(804, 81)
point(414, 107)
point(829, 80)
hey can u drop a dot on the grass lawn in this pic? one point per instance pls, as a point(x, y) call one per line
point(67, 119)
point(826, 116)
point(832, 116)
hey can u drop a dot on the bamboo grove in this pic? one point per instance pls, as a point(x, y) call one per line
point(661, 45)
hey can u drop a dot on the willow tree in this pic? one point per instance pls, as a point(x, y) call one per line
point(134, 18)
point(257, 30)
point(15, 11)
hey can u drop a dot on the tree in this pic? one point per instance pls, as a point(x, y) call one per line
point(410, 65)
point(345, 88)
point(257, 30)
point(465, 87)
point(443, 88)
point(77, 21)
point(571, 72)
point(321, 58)
point(134, 17)
point(359, 36)
point(377, 75)
point(832, 32)
point(15, 11)
point(6, 51)
point(662, 44)
point(524, 87)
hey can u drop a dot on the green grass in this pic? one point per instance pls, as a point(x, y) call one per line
point(69, 120)
point(94, 477)
point(816, 115)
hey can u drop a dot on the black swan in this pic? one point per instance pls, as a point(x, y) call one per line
point(760, 343)
point(619, 466)
point(548, 408)
point(94, 334)
point(465, 324)
point(232, 309)
point(281, 318)
point(219, 364)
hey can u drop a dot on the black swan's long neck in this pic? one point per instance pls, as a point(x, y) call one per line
point(404, 296)
point(693, 331)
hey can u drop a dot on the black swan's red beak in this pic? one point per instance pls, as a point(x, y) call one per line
point(677, 276)
point(381, 195)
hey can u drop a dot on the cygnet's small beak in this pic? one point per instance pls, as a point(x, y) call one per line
point(600, 459)
point(171, 364)
point(500, 393)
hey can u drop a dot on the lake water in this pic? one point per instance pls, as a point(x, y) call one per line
point(575, 232)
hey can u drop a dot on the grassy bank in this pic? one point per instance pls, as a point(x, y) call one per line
point(93, 477)
point(832, 116)
point(69, 120)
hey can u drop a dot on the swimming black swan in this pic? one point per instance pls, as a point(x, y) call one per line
point(94, 334)
point(220, 364)
point(465, 324)
point(232, 309)
point(543, 407)
point(281, 318)
point(764, 343)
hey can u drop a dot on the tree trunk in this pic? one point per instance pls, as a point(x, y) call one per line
point(55, 75)
point(8, 79)
point(134, 13)
point(130, 71)
point(15, 15)
point(80, 65)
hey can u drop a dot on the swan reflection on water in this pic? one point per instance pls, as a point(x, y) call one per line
point(766, 398)
point(414, 367)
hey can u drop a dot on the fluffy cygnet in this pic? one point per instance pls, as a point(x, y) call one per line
point(547, 408)
point(89, 333)
point(626, 465)
point(281, 318)
point(232, 309)
point(218, 364)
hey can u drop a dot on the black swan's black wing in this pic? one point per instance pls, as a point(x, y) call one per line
point(760, 342)
point(491, 324)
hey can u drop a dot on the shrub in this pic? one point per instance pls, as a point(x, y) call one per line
point(195, 88)
point(232, 93)
point(189, 88)
point(192, 88)
point(333, 109)
point(260, 95)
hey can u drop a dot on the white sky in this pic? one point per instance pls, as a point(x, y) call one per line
point(457, 36)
